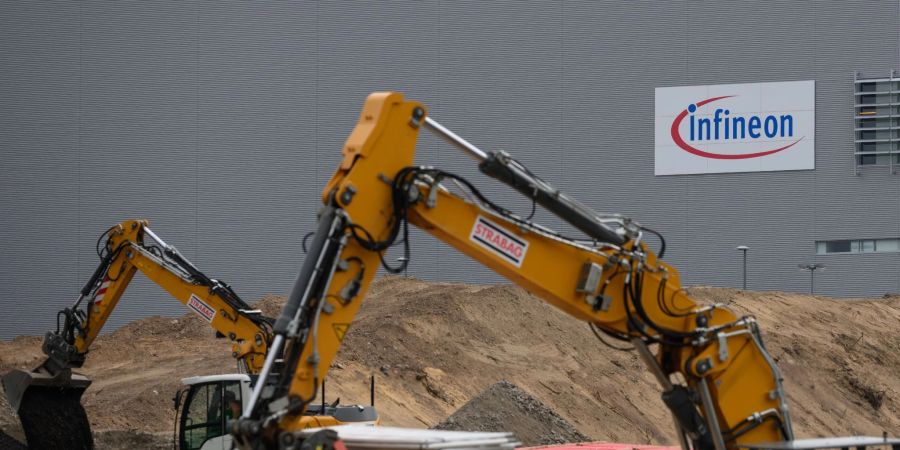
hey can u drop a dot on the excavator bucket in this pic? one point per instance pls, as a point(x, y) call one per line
point(49, 408)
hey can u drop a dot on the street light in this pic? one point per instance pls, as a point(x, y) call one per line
point(744, 248)
point(404, 261)
point(812, 268)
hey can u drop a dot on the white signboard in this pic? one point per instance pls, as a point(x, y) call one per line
point(755, 127)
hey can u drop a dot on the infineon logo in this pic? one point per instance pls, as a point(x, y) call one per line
point(735, 128)
point(499, 241)
point(201, 308)
point(724, 128)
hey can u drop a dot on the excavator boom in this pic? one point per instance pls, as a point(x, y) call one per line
point(48, 398)
point(718, 380)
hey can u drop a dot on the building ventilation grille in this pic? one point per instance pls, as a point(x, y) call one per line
point(876, 122)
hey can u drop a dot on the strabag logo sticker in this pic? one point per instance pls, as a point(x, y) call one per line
point(201, 308)
point(754, 127)
point(496, 239)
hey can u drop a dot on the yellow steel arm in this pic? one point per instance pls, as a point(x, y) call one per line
point(741, 384)
point(131, 247)
point(721, 385)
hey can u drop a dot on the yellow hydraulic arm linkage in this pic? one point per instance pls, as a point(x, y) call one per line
point(48, 397)
point(718, 380)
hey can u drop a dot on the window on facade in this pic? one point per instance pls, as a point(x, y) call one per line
point(837, 247)
point(820, 247)
point(887, 245)
point(866, 86)
point(858, 246)
point(877, 121)
point(867, 246)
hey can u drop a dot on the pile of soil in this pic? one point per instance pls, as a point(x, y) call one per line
point(435, 346)
point(127, 439)
point(505, 407)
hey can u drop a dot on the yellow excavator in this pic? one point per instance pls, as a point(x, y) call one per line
point(718, 380)
point(47, 398)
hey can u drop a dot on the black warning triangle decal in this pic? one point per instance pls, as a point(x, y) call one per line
point(340, 330)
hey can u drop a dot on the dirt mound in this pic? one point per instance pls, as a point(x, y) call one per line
point(505, 407)
point(435, 346)
point(270, 305)
point(130, 439)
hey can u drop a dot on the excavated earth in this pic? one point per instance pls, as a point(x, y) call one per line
point(435, 346)
point(535, 424)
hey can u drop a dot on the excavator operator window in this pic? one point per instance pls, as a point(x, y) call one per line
point(207, 409)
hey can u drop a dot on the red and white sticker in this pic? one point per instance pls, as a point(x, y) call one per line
point(499, 241)
point(101, 292)
point(201, 308)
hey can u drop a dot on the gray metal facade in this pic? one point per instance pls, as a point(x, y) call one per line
point(221, 122)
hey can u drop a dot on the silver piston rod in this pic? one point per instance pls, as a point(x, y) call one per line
point(503, 167)
point(287, 323)
point(455, 140)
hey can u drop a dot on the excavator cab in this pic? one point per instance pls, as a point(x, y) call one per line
point(209, 403)
point(205, 404)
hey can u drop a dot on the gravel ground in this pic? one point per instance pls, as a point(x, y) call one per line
point(505, 407)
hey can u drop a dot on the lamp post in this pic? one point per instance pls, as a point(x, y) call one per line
point(811, 268)
point(404, 260)
point(743, 249)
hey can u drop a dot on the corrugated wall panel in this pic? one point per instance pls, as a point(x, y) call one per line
point(255, 157)
point(221, 122)
point(38, 138)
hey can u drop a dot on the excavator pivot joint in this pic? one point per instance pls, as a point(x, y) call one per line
point(702, 321)
point(416, 120)
point(61, 355)
point(347, 195)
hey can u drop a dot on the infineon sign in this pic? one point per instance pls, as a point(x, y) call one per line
point(754, 127)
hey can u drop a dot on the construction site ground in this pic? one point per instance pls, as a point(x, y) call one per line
point(433, 347)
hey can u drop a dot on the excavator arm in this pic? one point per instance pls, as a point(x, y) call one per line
point(718, 380)
point(132, 247)
point(48, 397)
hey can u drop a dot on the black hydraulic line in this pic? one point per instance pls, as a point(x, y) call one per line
point(662, 241)
point(309, 286)
point(637, 301)
point(186, 265)
point(217, 287)
point(607, 344)
point(308, 269)
point(637, 326)
point(747, 425)
point(98, 272)
point(680, 402)
point(504, 168)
